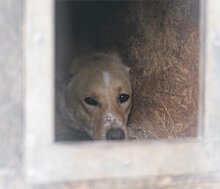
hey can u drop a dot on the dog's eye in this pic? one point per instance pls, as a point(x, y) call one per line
point(123, 98)
point(91, 101)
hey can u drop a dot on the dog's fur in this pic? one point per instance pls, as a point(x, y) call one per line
point(102, 76)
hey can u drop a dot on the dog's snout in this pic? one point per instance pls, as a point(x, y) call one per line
point(115, 134)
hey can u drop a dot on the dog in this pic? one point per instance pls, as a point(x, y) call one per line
point(98, 97)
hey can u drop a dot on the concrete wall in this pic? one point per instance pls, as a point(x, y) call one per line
point(11, 93)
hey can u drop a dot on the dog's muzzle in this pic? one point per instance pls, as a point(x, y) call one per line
point(115, 134)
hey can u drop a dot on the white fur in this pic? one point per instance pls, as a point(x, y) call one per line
point(107, 83)
point(106, 79)
point(111, 120)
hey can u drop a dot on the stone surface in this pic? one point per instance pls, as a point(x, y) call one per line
point(11, 93)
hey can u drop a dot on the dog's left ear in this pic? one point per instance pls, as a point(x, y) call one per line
point(118, 58)
point(127, 69)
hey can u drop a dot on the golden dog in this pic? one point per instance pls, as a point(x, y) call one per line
point(98, 98)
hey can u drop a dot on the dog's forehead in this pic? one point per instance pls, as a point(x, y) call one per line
point(106, 78)
point(113, 79)
point(106, 81)
point(101, 78)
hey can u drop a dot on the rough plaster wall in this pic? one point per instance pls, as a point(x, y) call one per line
point(165, 67)
point(11, 93)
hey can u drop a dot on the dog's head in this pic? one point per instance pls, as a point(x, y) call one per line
point(99, 96)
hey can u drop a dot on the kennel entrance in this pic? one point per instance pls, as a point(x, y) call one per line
point(130, 160)
point(158, 40)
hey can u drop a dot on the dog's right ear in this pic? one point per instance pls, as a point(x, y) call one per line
point(75, 67)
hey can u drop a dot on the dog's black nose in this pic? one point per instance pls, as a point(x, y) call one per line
point(115, 134)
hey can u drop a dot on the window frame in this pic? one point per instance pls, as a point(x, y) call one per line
point(47, 161)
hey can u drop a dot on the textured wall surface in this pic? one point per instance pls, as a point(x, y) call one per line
point(11, 129)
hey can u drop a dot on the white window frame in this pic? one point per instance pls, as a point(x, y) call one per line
point(47, 161)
